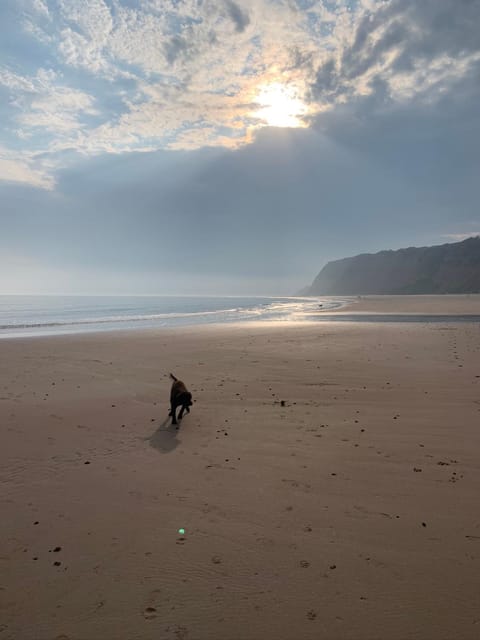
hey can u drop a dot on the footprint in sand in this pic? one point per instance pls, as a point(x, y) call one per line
point(149, 613)
point(311, 615)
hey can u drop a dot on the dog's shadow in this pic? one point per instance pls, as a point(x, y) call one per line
point(164, 439)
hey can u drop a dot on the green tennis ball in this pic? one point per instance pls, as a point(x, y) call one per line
point(181, 531)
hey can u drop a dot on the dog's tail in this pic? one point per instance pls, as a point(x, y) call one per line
point(173, 377)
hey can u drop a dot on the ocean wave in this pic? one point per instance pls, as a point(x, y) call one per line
point(114, 319)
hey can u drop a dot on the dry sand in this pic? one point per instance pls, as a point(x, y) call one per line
point(350, 512)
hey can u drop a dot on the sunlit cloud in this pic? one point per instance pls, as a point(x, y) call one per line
point(116, 77)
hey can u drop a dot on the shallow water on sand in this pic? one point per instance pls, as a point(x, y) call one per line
point(393, 317)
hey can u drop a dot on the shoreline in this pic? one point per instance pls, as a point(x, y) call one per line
point(118, 314)
point(364, 308)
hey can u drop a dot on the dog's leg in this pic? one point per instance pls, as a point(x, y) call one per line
point(173, 410)
point(180, 415)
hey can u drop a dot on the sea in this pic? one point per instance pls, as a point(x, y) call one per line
point(30, 316)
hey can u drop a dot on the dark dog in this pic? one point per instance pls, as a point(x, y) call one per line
point(179, 397)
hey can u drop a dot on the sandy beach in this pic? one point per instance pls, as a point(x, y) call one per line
point(467, 303)
point(327, 480)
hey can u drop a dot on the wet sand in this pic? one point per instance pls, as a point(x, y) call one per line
point(461, 304)
point(327, 480)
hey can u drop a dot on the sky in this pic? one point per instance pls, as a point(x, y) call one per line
point(230, 147)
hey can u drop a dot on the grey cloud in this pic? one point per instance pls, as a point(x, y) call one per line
point(359, 58)
point(421, 31)
point(239, 17)
point(174, 48)
point(276, 208)
point(433, 146)
point(327, 82)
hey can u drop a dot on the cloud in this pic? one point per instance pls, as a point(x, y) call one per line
point(402, 49)
point(22, 168)
point(458, 237)
point(40, 101)
point(120, 77)
point(239, 17)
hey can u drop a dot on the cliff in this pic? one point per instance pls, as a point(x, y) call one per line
point(448, 268)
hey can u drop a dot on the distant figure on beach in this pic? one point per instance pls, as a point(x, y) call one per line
point(179, 397)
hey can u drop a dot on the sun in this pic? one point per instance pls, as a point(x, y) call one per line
point(280, 106)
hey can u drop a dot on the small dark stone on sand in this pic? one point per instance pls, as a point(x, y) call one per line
point(35, 557)
point(333, 566)
point(333, 474)
point(36, 522)
point(87, 462)
point(57, 563)
point(424, 524)
point(282, 402)
point(57, 549)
